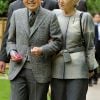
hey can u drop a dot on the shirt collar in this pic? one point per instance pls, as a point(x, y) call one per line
point(36, 11)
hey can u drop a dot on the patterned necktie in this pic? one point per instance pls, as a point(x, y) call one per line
point(31, 19)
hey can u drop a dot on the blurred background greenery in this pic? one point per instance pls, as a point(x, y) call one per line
point(3, 7)
point(92, 5)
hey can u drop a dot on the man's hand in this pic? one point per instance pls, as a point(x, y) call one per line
point(15, 56)
point(36, 51)
point(2, 66)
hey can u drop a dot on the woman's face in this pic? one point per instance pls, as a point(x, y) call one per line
point(67, 4)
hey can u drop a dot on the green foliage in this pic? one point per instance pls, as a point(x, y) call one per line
point(93, 5)
point(3, 6)
point(4, 89)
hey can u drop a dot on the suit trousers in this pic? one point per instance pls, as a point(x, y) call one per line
point(25, 87)
point(69, 89)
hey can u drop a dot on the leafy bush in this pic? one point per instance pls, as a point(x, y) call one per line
point(3, 6)
point(93, 5)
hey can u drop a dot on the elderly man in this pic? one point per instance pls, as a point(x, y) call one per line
point(30, 50)
point(48, 4)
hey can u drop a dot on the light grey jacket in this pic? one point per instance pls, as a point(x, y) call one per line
point(82, 59)
point(20, 38)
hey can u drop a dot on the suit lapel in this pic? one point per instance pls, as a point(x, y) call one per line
point(40, 17)
point(25, 22)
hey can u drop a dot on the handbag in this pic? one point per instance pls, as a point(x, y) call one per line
point(65, 53)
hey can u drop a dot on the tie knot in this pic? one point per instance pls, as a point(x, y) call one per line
point(31, 19)
point(32, 14)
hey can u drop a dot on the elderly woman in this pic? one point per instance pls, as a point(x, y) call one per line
point(76, 59)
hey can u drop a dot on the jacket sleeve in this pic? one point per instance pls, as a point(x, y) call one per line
point(56, 38)
point(88, 30)
point(11, 43)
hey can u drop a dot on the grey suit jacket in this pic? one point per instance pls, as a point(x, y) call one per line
point(82, 58)
point(20, 38)
point(13, 6)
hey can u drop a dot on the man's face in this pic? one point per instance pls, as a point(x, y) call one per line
point(32, 4)
point(97, 18)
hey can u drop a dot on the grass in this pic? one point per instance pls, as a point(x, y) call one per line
point(49, 98)
point(4, 89)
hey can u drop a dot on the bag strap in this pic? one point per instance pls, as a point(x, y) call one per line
point(83, 39)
